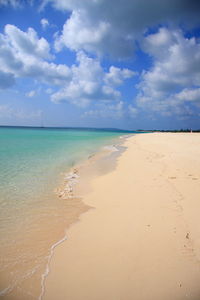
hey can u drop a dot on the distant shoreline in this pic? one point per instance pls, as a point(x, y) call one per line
point(102, 129)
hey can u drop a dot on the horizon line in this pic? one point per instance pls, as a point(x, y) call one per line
point(98, 128)
point(67, 127)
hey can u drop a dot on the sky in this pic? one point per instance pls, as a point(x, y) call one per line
point(129, 64)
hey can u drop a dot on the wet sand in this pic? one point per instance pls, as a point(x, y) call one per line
point(141, 240)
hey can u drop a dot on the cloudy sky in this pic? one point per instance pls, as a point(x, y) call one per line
point(131, 64)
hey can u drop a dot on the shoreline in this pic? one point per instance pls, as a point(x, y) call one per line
point(48, 222)
point(102, 250)
point(73, 181)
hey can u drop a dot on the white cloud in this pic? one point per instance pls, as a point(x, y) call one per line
point(175, 74)
point(90, 83)
point(31, 94)
point(27, 43)
point(158, 44)
point(116, 76)
point(189, 95)
point(107, 27)
point(23, 54)
point(77, 37)
point(45, 23)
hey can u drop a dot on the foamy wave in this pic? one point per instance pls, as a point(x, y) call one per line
point(70, 179)
point(45, 274)
point(111, 148)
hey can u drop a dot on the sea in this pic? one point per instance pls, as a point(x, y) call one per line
point(33, 219)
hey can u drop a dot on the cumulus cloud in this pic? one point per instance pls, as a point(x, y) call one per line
point(105, 27)
point(45, 23)
point(170, 86)
point(174, 78)
point(27, 43)
point(90, 83)
point(116, 76)
point(24, 54)
point(189, 95)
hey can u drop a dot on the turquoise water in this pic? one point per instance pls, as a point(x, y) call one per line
point(32, 216)
point(32, 158)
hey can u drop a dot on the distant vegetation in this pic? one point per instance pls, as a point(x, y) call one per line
point(176, 130)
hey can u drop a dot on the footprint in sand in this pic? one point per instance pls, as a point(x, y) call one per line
point(193, 178)
point(188, 252)
point(178, 208)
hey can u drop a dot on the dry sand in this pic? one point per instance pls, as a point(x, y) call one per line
point(142, 239)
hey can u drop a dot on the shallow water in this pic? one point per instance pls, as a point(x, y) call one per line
point(33, 217)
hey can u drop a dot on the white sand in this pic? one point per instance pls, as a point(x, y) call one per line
point(142, 239)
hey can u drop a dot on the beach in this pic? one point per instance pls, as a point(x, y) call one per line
point(140, 239)
point(37, 205)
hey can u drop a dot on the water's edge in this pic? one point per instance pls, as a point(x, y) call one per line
point(111, 154)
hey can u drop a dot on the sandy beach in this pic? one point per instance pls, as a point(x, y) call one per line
point(141, 238)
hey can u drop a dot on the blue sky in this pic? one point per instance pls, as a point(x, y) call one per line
point(98, 63)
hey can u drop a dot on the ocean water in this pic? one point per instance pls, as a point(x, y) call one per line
point(32, 217)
